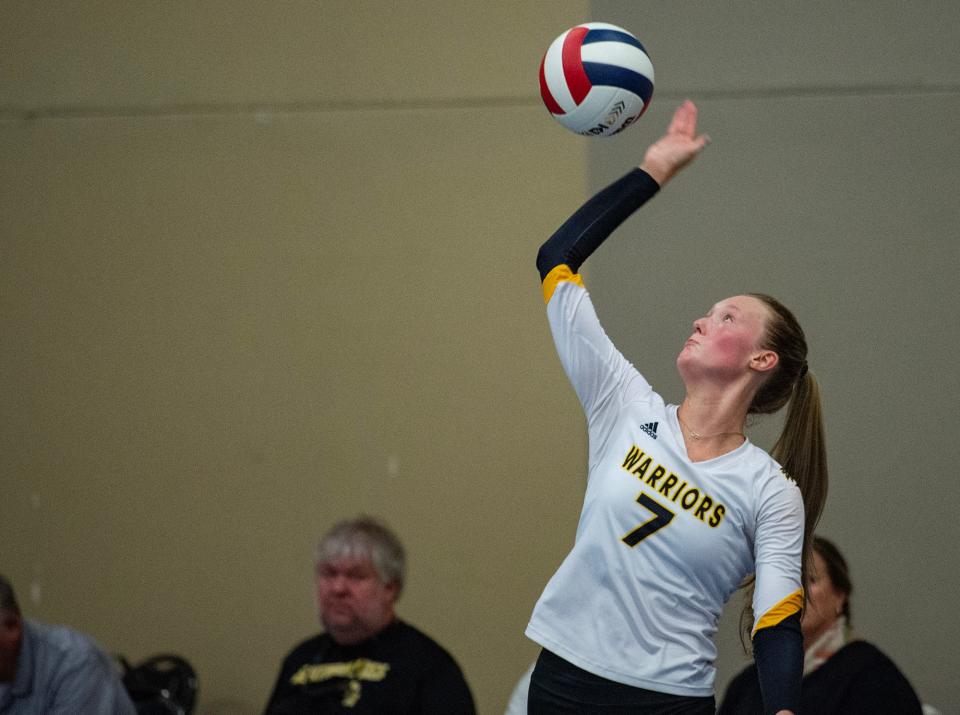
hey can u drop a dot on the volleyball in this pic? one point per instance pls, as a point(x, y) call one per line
point(596, 79)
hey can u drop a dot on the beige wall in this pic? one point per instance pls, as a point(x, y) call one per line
point(265, 266)
point(831, 183)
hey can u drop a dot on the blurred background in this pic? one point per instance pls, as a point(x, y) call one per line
point(267, 265)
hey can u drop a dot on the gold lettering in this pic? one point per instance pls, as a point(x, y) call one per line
point(668, 485)
point(633, 456)
point(688, 503)
point(718, 512)
point(703, 508)
point(638, 463)
point(679, 490)
point(655, 475)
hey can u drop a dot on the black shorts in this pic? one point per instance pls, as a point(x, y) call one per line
point(557, 686)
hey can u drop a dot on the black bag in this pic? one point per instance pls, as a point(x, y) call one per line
point(161, 685)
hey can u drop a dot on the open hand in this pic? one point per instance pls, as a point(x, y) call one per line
point(677, 148)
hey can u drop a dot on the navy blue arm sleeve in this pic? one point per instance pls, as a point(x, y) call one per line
point(778, 652)
point(593, 222)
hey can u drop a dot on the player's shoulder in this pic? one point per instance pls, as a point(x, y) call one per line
point(769, 476)
point(771, 485)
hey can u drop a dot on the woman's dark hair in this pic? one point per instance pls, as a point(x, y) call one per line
point(837, 570)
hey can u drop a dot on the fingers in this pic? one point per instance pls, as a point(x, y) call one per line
point(677, 148)
point(684, 120)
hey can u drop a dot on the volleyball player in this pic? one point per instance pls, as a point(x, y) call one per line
point(680, 507)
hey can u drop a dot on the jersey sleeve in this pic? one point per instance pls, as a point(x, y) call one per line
point(778, 547)
point(592, 363)
point(778, 651)
point(601, 376)
point(591, 225)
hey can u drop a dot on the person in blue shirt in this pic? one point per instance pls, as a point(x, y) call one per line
point(53, 670)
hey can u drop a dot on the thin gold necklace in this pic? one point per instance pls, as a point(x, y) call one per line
point(697, 436)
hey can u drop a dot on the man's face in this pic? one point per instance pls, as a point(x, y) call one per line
point(354, 603)
point(11, 636)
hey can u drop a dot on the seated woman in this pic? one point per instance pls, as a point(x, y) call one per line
point(841, 674)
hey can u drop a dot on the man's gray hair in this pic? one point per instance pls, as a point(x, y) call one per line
point(8, 600)
point(365, 537)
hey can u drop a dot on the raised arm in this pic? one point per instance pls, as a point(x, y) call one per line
point(593, 222)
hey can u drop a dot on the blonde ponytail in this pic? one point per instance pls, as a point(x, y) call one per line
point(800, 449)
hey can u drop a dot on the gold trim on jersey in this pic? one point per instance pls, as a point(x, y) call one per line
point(787, 607)
point(559, 274)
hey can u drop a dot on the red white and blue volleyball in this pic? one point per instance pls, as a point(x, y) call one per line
point(596, 79)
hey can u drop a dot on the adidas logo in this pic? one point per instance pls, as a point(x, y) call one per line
point(650, 428)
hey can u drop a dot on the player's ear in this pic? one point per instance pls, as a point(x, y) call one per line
point(764, 360)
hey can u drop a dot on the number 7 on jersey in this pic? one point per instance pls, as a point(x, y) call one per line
point(662, 517)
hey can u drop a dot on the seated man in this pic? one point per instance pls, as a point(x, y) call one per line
point(367, 660)
point(53, 670)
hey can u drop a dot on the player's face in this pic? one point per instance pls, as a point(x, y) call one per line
point(725, 341)
point(824, 603)
point(354, 603)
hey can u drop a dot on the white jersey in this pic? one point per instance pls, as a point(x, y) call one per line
point(662, 542)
